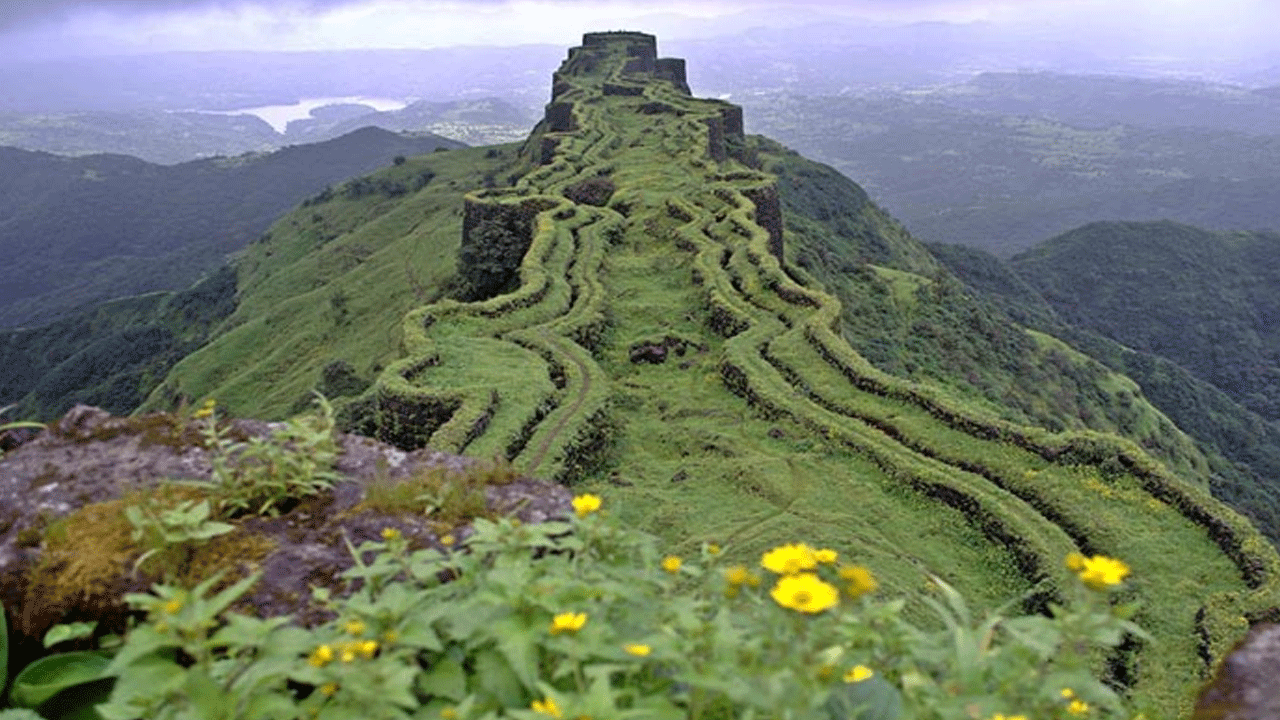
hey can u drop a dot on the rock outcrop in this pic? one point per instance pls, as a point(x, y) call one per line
point(66, 551)
point(1247, 684)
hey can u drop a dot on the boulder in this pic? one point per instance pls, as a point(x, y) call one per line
point(1247, 684)
point(66, 548)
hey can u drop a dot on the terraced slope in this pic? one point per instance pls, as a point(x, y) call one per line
point(634, 327)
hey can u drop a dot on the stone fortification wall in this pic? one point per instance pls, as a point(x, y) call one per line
point(725, 136)
point(768, 214)
point(496, 234)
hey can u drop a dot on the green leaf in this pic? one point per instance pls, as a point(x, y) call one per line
point(445, 679)
point(516, 643)
point(79, 702)
point(68, 631)
point(494, 677)
point(871, 699)
point(142, 681)
point(47, 676)
point(223, 600)
point(22, 714)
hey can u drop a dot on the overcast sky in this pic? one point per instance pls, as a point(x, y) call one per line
point(1185, 27)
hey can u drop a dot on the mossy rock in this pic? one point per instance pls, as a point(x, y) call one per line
point(67, 551)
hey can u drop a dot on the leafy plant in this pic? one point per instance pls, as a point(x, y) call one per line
point(602, 625)
point(261, 475)
point(160, 527)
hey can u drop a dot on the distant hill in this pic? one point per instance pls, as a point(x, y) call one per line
point(152, 135)
point(1099, 101)
point(81, 230)
point(112, 354)
point(488, 121)
point(1208, 301)
point(169, 138)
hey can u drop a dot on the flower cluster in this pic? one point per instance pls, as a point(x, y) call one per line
point(347, 652)
point(1098, 572)
point(206, 410)
point(584, 505)
point(567, 623)
point(546, 707)
point(800, 587)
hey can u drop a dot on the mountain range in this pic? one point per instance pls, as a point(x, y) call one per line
point(737, 345)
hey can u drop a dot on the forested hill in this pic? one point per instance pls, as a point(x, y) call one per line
point(1209, 301)
point(735, 345)
point(82, 230)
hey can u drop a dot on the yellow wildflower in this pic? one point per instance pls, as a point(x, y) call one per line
point(448, 540)
point(546, 707)
point(858, 673)
point(860, 580)
point(449, 713)
point(328, 689)
point(206, 410)
point(586, 504)
point(1000, 716)
point(367, 649)
point(737, 575)
point(671, 564)
point(390, 533)
point(391, 635)
point(825, 556)
point(805, 593)
point(321, 656)
point(713, 549)
point(568, 623)
point(637, 649)
point(172, 607)
point(1078, 707)
point(1098, 572)
point(1067, 693)
point(348, 652)
point(789, 559)
point(354, 627)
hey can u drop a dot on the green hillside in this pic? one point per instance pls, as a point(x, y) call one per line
point(1208, 301)
point(1242, 447)
point(113, 354)
point(734, 345)
point(78, 231)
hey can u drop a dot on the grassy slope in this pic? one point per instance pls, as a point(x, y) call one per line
point(1242, 447)
point(79, 231)
point(770, 427)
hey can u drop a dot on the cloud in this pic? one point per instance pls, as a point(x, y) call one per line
point(48, 12)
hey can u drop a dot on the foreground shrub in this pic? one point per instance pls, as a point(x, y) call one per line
point(587, 619)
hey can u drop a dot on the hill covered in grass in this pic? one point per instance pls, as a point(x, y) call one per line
point(734, 345)
point(82, 230)
point(1209, 301)
point(1243, 448)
